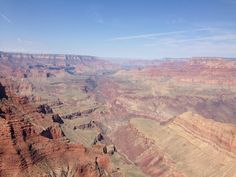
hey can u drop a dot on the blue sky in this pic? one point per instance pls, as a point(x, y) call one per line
point(120, 28)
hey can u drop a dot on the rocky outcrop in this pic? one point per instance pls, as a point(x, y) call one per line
point(72, 115)
point(98, 138)
point(45, 109)
point(53, 132)
point(109, 149)
point(89, 125)
point(57, 118)
point(79, 114)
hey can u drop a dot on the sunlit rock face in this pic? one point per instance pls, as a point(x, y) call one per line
point(24, 151)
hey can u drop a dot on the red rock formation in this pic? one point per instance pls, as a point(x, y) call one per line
point(23, 152)
point(197, 70)
point(142, 151)
point(53, 132)
point(219, 134)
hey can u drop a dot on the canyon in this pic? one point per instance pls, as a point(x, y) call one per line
point(74, 115)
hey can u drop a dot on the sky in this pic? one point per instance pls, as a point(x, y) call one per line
point(140, 29)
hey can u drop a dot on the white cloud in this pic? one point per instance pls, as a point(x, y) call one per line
point(5, 18)
point(183, 46)
point(142, 36)
point(151, 35)
point(210, 39)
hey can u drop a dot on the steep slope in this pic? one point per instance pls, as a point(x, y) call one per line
point(24, 152)
point(194, 153)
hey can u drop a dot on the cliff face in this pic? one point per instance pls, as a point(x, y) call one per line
point(179, 148)
point(198, 70)
point(25, 152)
point(141, 150)
point(54, 62)
point(22, 58)
point(219, 134)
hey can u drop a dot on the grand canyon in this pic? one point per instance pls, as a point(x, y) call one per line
point(86, 116)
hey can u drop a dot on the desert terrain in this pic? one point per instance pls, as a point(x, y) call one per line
point(73, 115)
